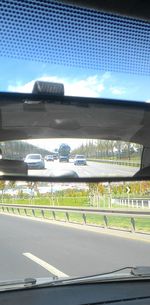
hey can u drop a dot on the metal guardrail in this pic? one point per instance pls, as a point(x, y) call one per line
point(132, 202)
point(118, 162)
point(83, 211)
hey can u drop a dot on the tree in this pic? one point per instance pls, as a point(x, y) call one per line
point(93, 194)
point(92, 187)
point(19, 149)
point(2, 187)
point(101, 188)
point(11, 185)
point(144, 187)
point(31, 187)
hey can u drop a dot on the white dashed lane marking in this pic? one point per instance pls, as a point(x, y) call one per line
point(45, 265)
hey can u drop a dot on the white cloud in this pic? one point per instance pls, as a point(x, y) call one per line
point(27, 88)
point(106, 75)
point(91, 86)
point(148, 101)
point(117, 90)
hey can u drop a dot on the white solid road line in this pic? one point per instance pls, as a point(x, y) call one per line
point(45, 265)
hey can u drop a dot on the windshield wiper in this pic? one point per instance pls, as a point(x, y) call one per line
point(126, 273)
point(27, 282)
point(140, 272)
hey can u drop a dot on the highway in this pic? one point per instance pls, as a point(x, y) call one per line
point(72, 251)
point(92, 169)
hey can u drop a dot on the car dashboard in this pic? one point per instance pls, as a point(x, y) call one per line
point(116, 293)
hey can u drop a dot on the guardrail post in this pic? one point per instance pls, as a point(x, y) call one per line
point(25, 211)
point(132, 225)
point(42, 212)
point(67, 216)
point(54, 215)
point(84, 218)
point(105, 221)
point(3, 209)
point(13, 210)
point(7, 210)
point(18, 211)
point(33, 212)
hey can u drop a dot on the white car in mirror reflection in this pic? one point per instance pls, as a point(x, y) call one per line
point(80, 160)
point(49, 158)
point(34, 161)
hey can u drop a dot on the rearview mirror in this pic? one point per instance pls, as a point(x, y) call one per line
point(90, 138)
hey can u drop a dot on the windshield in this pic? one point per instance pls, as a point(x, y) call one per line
point(71, 199)
point(33, 157)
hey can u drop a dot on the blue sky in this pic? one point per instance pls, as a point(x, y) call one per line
point(19, 75)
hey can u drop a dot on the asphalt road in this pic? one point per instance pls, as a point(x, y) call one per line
point(74, 252)
point(92, 169)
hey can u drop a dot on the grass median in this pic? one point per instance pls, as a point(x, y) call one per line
point(50, 201)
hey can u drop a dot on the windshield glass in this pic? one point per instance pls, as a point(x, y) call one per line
point(72, 229)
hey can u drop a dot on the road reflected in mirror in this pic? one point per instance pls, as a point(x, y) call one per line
point(74, 158)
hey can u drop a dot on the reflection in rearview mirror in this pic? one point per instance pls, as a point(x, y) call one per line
point(75, 157)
